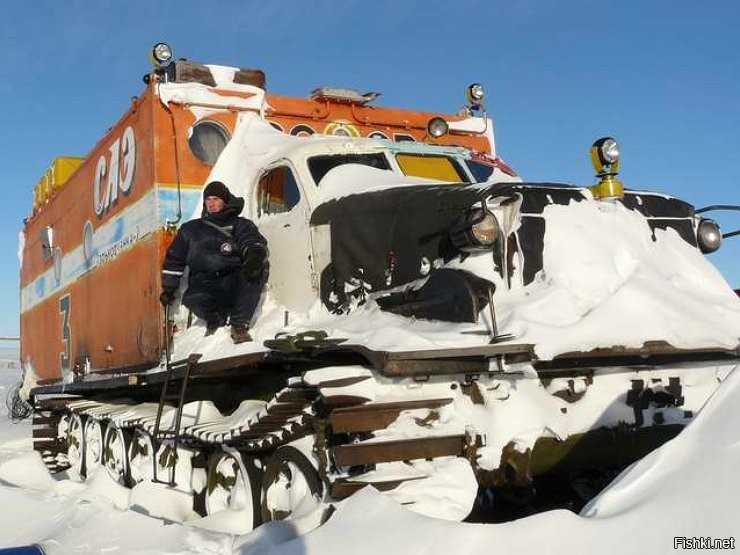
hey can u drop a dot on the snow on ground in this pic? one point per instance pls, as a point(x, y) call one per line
point(689, 487)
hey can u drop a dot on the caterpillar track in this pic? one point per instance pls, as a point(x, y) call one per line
point(406, 424)
point(318, 426)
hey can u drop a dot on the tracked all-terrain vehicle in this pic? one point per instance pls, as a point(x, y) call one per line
point(432, 325)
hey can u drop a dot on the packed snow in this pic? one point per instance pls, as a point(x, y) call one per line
point(688, 487)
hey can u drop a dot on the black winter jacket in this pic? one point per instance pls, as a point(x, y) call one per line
point(200, 244)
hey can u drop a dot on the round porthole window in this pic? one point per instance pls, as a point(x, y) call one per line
point(207, 140)
point(58, 264)
point(87, 241)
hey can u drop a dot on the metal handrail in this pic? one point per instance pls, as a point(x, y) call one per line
point(726, 207)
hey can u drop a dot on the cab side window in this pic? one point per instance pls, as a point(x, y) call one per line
point(277, 191)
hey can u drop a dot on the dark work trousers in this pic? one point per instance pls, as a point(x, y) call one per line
point(214, 298)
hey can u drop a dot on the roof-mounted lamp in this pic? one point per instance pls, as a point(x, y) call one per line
point(160, 55)
point(475, 95)
point(605, 159)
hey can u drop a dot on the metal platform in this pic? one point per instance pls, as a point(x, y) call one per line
point(394, 364)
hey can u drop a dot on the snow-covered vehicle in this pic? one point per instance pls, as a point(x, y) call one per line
point(432, 324)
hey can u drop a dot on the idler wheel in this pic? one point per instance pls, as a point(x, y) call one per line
point(291, 486)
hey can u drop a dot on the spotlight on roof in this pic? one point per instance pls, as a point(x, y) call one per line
point(476, 93)
point(161, 54)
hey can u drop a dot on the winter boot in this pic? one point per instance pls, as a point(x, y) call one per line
point(211, 328)
point(240, 333)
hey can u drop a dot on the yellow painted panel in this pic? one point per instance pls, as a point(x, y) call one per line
point(439, 168)
point(62, 169)
point(54, 178)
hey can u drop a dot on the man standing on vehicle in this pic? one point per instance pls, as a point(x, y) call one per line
point(227, 257)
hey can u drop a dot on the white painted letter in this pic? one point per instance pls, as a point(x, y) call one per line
point(128, 153)
point(99, 201)
point(113, 174)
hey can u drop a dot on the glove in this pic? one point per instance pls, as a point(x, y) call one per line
point(167, 296)
point(254, 264)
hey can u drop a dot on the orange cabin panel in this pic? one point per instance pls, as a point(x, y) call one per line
point(94, 298)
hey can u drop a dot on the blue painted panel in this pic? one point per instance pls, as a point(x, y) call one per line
point(190, 199)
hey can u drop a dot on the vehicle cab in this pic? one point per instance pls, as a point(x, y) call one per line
point(288, 189)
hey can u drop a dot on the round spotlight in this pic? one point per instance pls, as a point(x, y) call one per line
point(162, 53)
point(476, 93)
point(708, 235)
point(608, 150)
point(437, 127)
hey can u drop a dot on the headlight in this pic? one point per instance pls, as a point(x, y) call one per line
point(476, 93)
point(708, 235)
point(162, 53)
point(486, 230)
point(437, 127)
point(479, 229)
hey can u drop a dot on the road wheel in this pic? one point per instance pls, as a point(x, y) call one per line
point(233, 483)
point(115, 454)
point(94, 431)
point(76, 444)
point(140, 453)
point(291, 486)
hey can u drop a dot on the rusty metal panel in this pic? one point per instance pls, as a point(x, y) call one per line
point(338, 401)
point(430, 367)
point(399, 450)
point(377, 416)
point(487, 351)
point(343, 488)
point(342, 382)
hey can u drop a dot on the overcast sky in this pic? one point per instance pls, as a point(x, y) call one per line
point(662, 77)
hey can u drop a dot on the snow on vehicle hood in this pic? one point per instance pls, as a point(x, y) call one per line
point(605, 282)
point(364, 179)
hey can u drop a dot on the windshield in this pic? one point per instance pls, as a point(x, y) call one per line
point(481, 172)
point(319, 166)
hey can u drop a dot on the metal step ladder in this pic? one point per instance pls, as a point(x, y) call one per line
point(159, 435)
